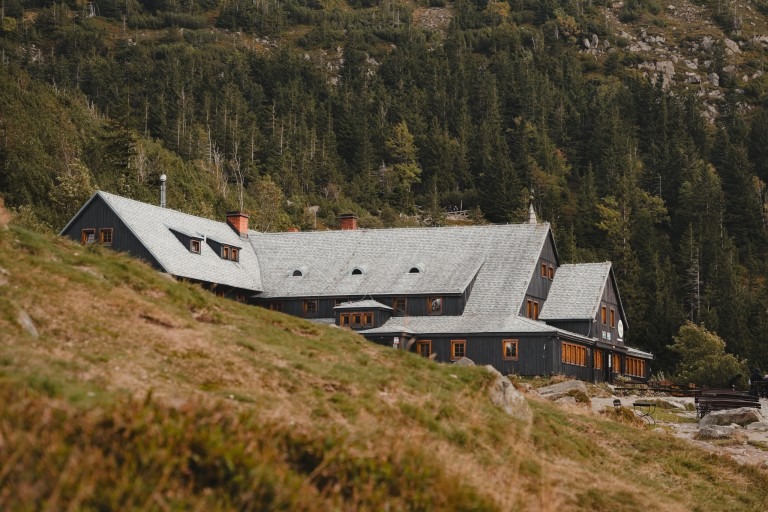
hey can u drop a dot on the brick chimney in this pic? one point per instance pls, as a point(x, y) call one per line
point(293, 230)
point(239, 222)
point(347, 221)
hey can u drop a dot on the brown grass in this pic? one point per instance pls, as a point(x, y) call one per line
point(252, 407)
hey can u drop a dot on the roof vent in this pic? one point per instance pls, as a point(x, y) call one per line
point(298, 272)
point(418, 268)
point(357, 272)
point(162, 190)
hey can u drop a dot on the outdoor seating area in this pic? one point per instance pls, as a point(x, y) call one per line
point(759, 388)
point(721, 399)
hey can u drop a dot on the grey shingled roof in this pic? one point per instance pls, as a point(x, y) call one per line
point(467, 324)
point(362, 304)
point(576, 291)
point(152, 225)
point(500, 258)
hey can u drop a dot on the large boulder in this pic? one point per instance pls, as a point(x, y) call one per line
point(743, 416)
point(715, 432)
point(562, 389)
point(504, 396)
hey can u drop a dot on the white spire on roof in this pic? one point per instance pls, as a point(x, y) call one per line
point(531, 211)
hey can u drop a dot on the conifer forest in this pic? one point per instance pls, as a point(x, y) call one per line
point(405, 112)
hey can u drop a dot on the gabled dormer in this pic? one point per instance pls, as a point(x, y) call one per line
point(361, 315)
point(225, 251)
point(585, 299)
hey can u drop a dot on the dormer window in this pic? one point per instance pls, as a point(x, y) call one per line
point(194, 246)
point(230, 253)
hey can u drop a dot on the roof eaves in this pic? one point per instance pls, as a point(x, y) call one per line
point(80, 211)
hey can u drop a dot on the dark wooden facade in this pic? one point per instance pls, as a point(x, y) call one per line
point(416, 305)
point(99, 216)
point(541, 281)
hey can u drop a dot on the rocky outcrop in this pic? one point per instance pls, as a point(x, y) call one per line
point(504, 396)
point(743, 416)
point(562, 389)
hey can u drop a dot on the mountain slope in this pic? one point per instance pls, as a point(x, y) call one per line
point(124, 389)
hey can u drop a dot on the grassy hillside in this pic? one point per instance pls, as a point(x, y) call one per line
point(122, 389)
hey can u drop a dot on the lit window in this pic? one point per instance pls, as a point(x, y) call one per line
point(543, 270)
point(234, 254)
point(616, 363)
point(573, 354)
point(398, 304)
point(635, 367)
point(310, 307)
point(535, 310)
point(344, 320)
point(88, 236)
point(435, 305)
point(367, 319)
point(613, 318)
point(458, 349)
point(551, 272)
point(529, 312)
point(424, 348)
point(598, 360)
point(604, 316)
point(225, 252)
point(276, 306)
point(194, 246)
point(509, 350)
point(105, 236)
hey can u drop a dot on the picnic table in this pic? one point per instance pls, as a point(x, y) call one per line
point(722, 399)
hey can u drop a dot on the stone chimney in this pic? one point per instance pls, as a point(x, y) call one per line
point(239, 222)
point(347, 221)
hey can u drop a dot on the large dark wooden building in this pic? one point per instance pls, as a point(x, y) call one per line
point(495, 294)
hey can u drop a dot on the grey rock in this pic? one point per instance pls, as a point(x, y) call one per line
point(586, 43)
point(465, 361)
point(691, 64)
point(715, 432)
point(692, 78)
point(714, 79)
point(27, 324)
point(561, 389)
point(707, 42)
point(743, 416)
point(731, 45)
point(566, 400)
point(758, 426)
point(504, 396)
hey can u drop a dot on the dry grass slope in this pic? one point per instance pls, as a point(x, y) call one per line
point(132, 391)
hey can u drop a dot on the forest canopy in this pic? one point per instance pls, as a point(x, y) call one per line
point(352, 106)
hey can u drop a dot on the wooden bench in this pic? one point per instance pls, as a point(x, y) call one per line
point(711, 401)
